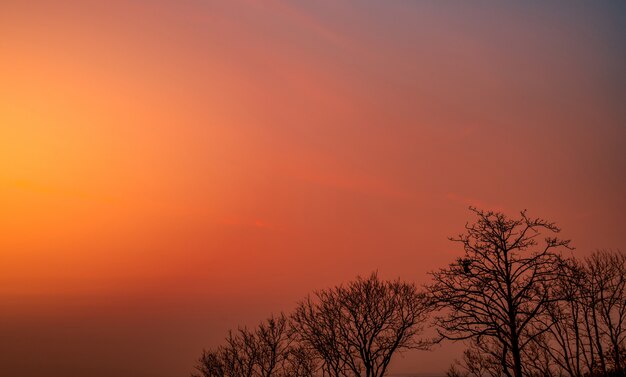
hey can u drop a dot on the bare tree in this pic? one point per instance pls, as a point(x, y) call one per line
point(586, 327)
point(480, 359)
point(268, 351)
point(356, 329)
point(538, 361)
point(606, 298)
point(566, 341)
point(501, 285)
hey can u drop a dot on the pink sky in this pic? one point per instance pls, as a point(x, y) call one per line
point(170, 170)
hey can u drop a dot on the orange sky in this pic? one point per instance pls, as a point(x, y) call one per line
point(169, 170)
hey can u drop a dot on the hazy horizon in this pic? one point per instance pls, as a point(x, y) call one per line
point(172, 170)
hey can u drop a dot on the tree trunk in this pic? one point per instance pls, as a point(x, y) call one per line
point(596, 328)
point(517, 358)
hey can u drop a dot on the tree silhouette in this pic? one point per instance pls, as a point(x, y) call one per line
point(501, 286)
point(587, 326)
point(268, 351)
point(565, 341)
point(356, 329)
point(480, 359)
point(522, 308)
point(606, 290)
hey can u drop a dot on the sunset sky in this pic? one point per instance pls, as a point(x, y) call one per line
point(172, 169)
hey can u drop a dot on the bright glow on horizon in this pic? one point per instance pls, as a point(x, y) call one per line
point(169, 170)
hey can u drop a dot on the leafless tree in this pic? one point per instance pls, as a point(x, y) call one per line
point(586, 326)
point(566, 343)
point(522, 308)
point(480, 359)
point(606, 298)
point(268, 351)
point(538, 361)
point(501, 285)
point(356, 329)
